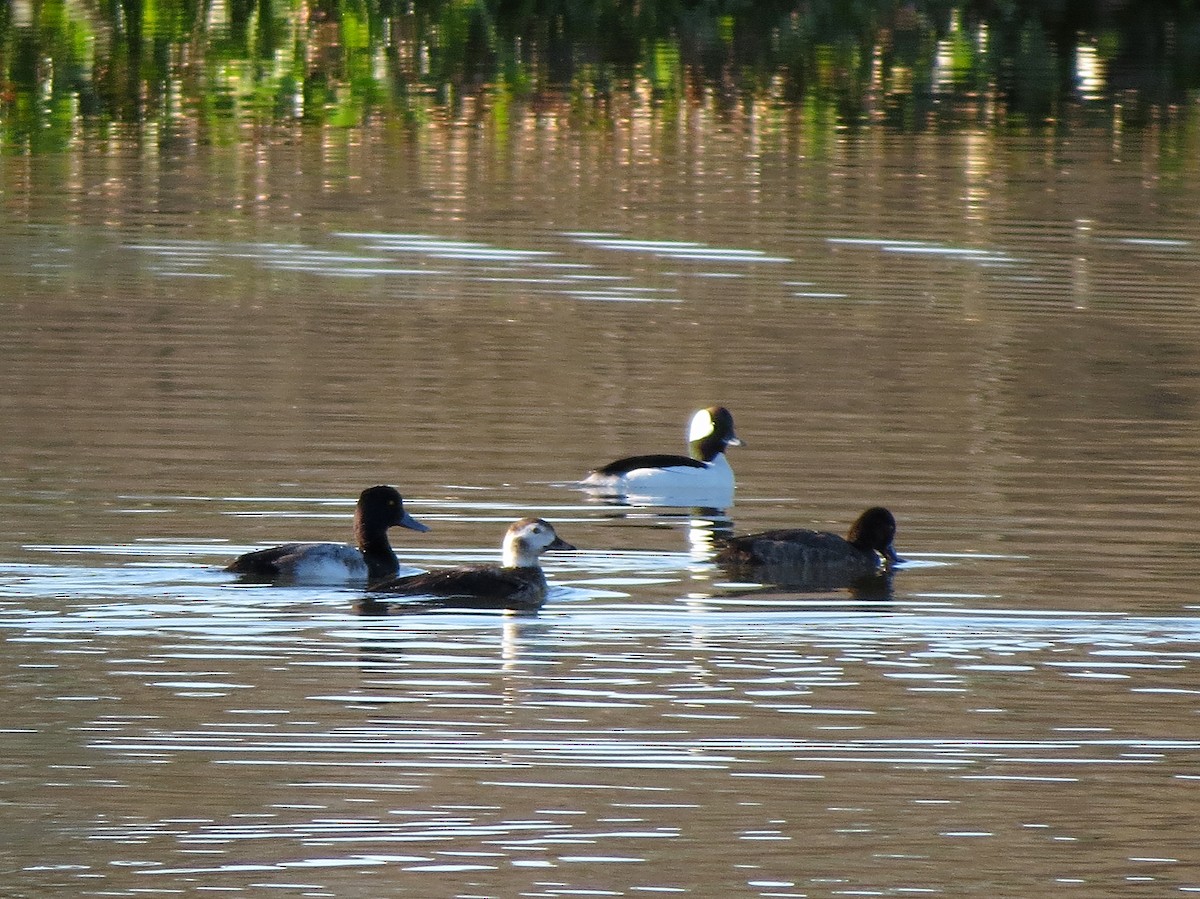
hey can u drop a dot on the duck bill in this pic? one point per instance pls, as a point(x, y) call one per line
point(890, 557)
point(407, 521)
point(560, 543)
point(735, 440)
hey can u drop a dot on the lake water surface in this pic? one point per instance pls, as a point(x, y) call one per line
point(206, 348)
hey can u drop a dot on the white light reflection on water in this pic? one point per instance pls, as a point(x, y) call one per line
point(981, 256)
point(573, 743)
point(544, 270)
point(541, 270)
point(675, 249)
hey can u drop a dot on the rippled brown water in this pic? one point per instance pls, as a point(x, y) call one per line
point(206, 348)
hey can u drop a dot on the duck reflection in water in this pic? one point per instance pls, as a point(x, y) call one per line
point(517, 584)
point(799, 558)
point(383, 652)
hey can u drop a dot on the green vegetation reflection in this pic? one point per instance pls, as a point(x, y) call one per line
point(220, 64)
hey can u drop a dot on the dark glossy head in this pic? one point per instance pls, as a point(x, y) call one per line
point(875, 531)
point(383, 507)
point(710, 431)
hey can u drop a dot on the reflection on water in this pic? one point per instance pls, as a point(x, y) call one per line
point(225, 737)
point(221, 70)
point(210, 348)
point(214, 735)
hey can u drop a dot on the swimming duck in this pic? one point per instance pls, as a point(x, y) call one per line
point(702, 478)
point(378, 509)
point(517, 583)
point(818, 559)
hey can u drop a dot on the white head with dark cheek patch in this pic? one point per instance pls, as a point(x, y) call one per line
point(526, 539)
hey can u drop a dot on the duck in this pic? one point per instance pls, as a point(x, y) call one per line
point(816, 559)
point(517, 583)
point(702, 478)
point(378, 508)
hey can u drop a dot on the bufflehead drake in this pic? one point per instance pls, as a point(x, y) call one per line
point(801, 557)
point(378, 509)
point(517, 583)
point(703, 478)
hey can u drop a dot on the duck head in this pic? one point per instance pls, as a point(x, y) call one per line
point(710, 431)
point(529, 538)
point(875, 531)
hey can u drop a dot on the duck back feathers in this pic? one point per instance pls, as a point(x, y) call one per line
point(803, 556)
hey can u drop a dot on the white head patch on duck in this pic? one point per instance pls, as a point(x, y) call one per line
point(527, 539)
point(710, 432)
